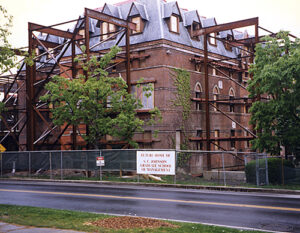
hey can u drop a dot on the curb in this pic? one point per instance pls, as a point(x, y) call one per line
point(182, 186)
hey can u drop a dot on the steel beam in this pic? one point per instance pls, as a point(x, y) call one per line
point(128, 73)
point(53, 31)
point(109, 19)
point(226, 26)
point(30, 78)
point(207, 115)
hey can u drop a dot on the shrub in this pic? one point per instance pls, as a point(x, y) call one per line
point(274, 170)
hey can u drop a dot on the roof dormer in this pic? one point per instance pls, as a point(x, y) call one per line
point(212, 38)
point(111, 10)
point(107, 30)
point(192, 22)
point(138, 15)
point(172, 15)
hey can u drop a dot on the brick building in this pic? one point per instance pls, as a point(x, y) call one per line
point(162, 37)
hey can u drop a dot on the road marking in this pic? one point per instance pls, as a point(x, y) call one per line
point(156, 199)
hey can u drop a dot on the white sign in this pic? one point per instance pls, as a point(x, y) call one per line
point(100, 161)
point(233, 125)
point(155, 162)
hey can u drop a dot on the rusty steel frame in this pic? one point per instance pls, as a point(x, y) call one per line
point(34, 87)
point(205, 32)
point(33, 111)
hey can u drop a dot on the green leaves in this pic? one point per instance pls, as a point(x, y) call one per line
point(183, 94)
point(276, 77)
point(7, 56)
point(99, 101)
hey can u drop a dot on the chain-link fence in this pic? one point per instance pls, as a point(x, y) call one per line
point(192, 167)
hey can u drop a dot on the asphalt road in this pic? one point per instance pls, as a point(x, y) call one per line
point(275, 212)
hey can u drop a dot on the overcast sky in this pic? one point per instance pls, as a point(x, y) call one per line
point(273, 14)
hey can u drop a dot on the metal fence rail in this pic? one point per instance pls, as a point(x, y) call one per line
point(229, 167)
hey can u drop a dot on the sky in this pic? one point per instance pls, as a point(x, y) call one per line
point(274, 15)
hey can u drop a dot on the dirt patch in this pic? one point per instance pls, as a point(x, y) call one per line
point(130, 222)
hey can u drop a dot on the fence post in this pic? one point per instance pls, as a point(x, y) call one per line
point(86, 165)
point(175, 166)
point(100, 169)
point(257, 170)
point(29, 163)
point(224, 173)
point(61, 166)
point(1, 163)
point(267, 172)
point(245, 160)
point(50, 161)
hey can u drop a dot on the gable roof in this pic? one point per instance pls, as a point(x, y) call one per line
point(190, 17)
point(156, 27)
point(138, 9)
point(208, 22)
point(111, 10)
point(171, 8)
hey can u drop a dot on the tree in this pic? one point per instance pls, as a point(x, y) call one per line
point(99, 101)
point(7, 56)
point(276, 79)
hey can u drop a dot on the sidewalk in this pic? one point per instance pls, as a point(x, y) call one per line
point(12, 228)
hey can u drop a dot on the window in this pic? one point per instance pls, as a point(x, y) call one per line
point(139, 25)
point(232, 142)
point(199, 144)
point(198, 92)
point(216, 93)
point(81, 32)
point(227, 43)
point(247, 142)
point(212, 39)
point(50, 54)
point(231, 99)
point(240, 77)
point(145, 96)
point(214, 71)
point(199, 133)
point(194, 27)
point(106, 29)
point(174, 23)
point(228, 46)
point(198, 67)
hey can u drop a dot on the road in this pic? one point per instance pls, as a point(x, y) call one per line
point(275, 212)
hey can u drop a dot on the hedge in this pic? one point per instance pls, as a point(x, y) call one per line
point(274, 170)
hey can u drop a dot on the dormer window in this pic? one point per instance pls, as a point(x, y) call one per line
point(227, 43)
point(174, 23)
point(212, 38)
point(81, 32)
point(139, 24)
point(106, 29)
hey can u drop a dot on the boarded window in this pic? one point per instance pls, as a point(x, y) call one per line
point(146, 97)
point(139, 24)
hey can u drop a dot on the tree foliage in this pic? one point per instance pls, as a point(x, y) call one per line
point(99, 101)
point(276, 78)
point(7, 58)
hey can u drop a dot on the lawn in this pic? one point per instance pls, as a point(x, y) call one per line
point(82, 221)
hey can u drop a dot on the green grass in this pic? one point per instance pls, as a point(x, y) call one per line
point(185, 180)
point(74, 220)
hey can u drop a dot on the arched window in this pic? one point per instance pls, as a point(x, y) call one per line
point(216, 93)
point(231, 99)
point(198, 94)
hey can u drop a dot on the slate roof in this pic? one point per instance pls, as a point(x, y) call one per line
point(155, 13)
point(190, 17)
